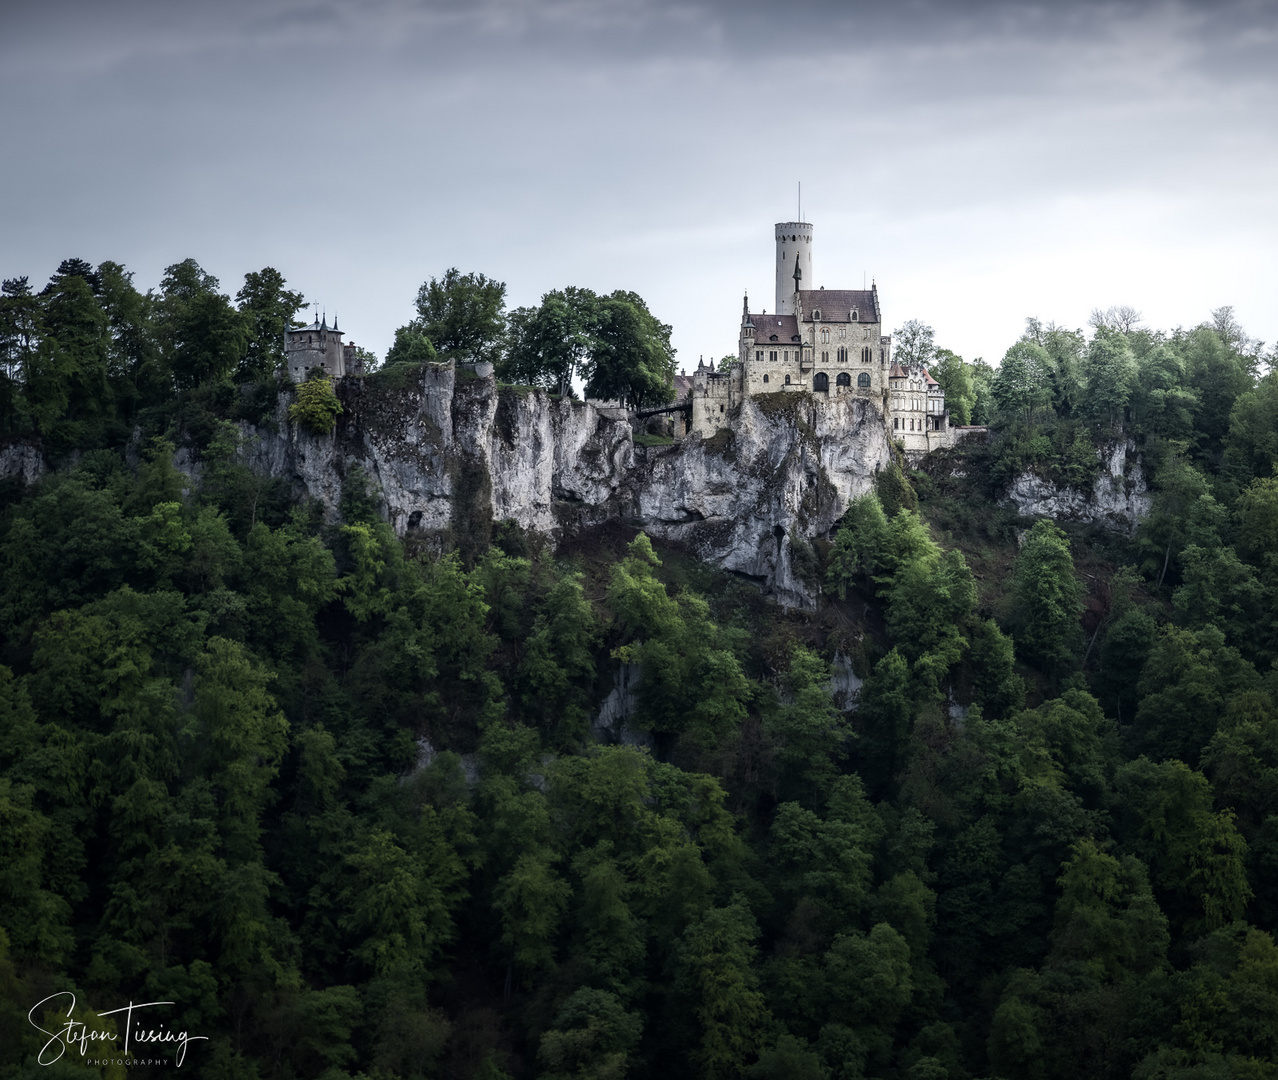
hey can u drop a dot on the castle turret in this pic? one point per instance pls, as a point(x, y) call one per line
point(793, 262)
point(314, 346)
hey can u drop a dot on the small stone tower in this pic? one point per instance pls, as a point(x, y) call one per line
point(316, 346)
point(794, 255)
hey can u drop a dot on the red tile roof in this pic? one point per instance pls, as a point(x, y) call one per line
point(895, 372)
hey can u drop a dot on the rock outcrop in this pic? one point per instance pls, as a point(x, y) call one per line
point(1118, 500)
point(22, 461)
point(452, 450)
point(783, 472)
point(449, 452)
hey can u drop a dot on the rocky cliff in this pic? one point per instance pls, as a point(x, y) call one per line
point(1118, 498)
point(453, 452)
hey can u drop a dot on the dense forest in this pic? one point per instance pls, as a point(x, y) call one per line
point(339, 797)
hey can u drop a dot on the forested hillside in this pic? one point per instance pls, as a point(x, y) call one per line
point(339, 796)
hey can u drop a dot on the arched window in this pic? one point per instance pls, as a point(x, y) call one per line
point(854, 315)
point(844, 379)
point(816, 315)
point(863, 380)
point(825, 336)
point(821, 382)
point(787, 380)
point(866, 355)
point(765, 377)
point(825, 357)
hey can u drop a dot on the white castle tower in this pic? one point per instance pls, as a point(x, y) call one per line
point(794, 256)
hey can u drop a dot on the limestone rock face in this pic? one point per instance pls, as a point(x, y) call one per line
point(441, 445)
point(23, 461)
point(783, 471)
point(448, 448)
point(1119, 499)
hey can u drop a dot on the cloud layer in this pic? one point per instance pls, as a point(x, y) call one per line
point(982, 162)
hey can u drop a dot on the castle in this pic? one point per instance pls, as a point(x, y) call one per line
point(319, 346)
point(821, 341)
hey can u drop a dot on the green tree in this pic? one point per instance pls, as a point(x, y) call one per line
point(592, 1038)
point(691, 684)
point(462, 316)
point(132, 352)
point(1107, 921)
point(1218, 376)
point(411, 346)
point(202, 336)
point(68, 392)
point(717, 980)
point(859, 545)
point(269, 311)
point(1110, 371)
point(631, 358)
point(549, 343)
point(1049, 598)
point(1021, 386)
point(1253, 429)
point(1196, 856)
point(955, 377)
point(317, 407)
point(811, 731)
point(913, 343)
point(1185, 686)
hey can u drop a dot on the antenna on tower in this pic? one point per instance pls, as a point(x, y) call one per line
point(800, 200)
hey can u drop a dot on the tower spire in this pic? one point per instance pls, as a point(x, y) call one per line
point(798, 273)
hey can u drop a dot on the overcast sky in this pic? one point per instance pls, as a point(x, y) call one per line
point(982, 161)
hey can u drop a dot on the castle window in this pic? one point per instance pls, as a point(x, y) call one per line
point(855, 317)
point(866, 355)
point(816, 315)
point(896, 422)
point(765, 377)
point(773, 354)
point(773, 338)
point(825, 358)
point(787, 380)
point(863, 380)
point(844, 379)
point(721, 408)
point(825, 337)
point(758, 355)
point(821, 382)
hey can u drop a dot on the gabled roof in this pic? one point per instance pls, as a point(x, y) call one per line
point(930, 381)
point(837, 305)
point(785, 327)
point(682, 386)
point(895, 372)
